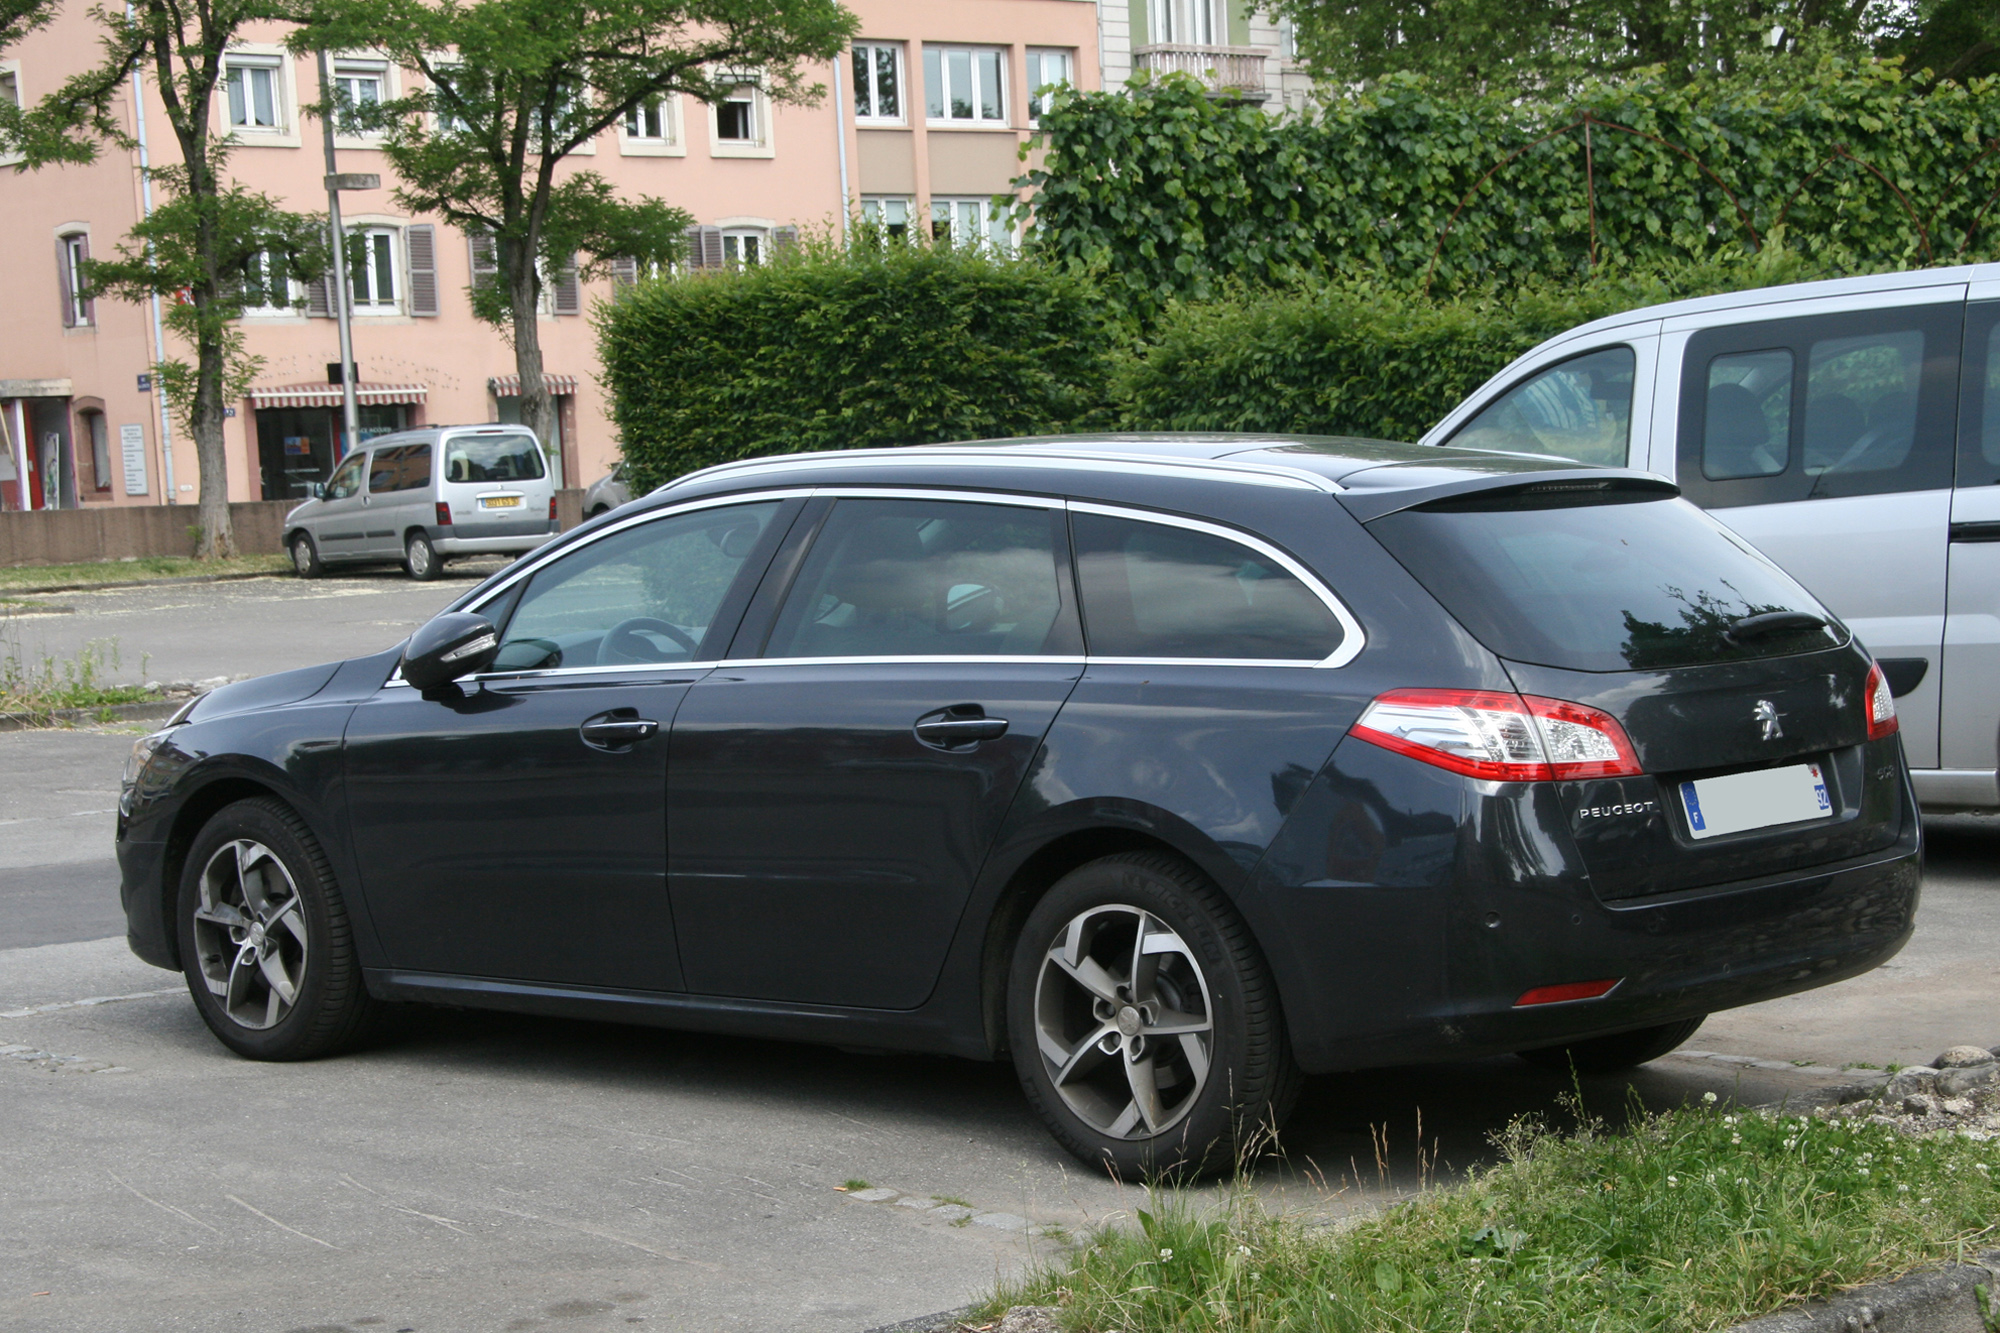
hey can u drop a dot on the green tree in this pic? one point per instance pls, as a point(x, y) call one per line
point(200, 248)
point(513, 87)
point(1954, 39)
point(1517, 46)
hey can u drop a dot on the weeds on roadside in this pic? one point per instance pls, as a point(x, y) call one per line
point(40, 689)
point(27, 578)
point(1693, 1219)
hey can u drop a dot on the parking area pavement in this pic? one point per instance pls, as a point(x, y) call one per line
point(488, 1171)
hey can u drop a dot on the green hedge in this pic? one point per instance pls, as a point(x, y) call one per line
point(880, 345)
point(1362, 359)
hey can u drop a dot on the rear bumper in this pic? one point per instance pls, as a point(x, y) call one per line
point(447, 544)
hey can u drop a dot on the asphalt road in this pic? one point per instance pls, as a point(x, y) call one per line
point(484, 1172)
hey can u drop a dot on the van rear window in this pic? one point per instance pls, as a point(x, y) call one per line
point(1645, 584)
point(479, 458)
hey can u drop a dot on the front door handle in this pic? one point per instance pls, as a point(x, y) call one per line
point(618, 730)
point(959, 727)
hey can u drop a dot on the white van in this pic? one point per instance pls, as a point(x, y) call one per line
point(423, 496)
point(1849, 429)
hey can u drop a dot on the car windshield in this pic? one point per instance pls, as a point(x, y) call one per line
point(1646, 584)
point(478, 458)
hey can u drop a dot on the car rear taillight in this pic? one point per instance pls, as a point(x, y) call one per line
point(1568, 992)
point(1881, 704)
point(552, 509)
point(444, 514)
point(1499, 736)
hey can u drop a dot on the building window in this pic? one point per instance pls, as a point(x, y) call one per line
point(100, 450)
point(1182, 22)
point(267, 289)
point(10, 93)
point(965, 85)
point(975, 223)
point(71, 251)
point(740, 124)
point(888, 213)
point(359, 85)
point(736, 118)
point(650, 120)
point(1047, 70)
point(743, 247)
point(878, 82)
point(371, 265)
point(255, 94)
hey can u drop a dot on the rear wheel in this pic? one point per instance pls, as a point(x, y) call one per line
point(420, 558)
point(305, 557)
point(1616, 1053)
point(599, 512)
point(1144, 1025)
point(264, 937)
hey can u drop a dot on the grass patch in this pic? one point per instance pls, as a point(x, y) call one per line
point(40, 689)
point(30, 577)
point(855, 1184)
point(1690, 1220)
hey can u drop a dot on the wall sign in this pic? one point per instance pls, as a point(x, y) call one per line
point(132, 444)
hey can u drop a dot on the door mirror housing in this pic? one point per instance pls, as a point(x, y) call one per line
point(447, 648)
point(315, 490)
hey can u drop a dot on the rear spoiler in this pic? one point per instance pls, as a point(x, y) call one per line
point(1555, 488)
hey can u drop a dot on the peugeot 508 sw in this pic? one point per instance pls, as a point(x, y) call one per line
point(1168, 767)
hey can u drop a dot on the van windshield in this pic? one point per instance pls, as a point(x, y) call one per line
point(1646, 584)
point(476, 458)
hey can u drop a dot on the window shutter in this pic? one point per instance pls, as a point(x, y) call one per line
point(89, 305)
point(62, 282)
point(485, 259)
point(783, 239)
point(704, 247)
point(624, 272)
point(569, 290)
point(422, 241)
point(319, 298)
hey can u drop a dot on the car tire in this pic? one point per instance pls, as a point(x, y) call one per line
point(1616, 1053)
point(598, 512)
point(1219, 1076)
point(259, 913)
point(305, 557)
point(420, 558)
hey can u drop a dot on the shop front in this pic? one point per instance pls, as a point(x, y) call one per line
point(506, 391)
point(39, 471)
point(300, 439)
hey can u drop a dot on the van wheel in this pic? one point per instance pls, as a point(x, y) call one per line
point(599, 512)
point(1144, 1024)
point(305, 557)
point(264, 937)
point(1616, 1053)
point(420, 558)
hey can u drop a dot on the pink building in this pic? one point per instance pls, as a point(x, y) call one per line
point(922, 125)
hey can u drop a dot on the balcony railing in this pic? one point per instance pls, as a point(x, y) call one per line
point(1230, 71)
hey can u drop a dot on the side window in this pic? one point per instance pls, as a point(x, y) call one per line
point(1979, 402)
point(416, 473)
point(649, 594)
point(1748, 431)
point(346, 479)
point(1151, 590)
point(1833, 405)
point(927, 578)
point(1580, 408)
point(385, 468)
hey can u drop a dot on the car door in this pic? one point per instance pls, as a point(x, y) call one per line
point(516, 828)
point(1971, 684)
point(340, 522)
point(835, 786)
point(1827, 442)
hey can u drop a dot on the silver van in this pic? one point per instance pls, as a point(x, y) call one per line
point(1851, 431)
point(423, 496)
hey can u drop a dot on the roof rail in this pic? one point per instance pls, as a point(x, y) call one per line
point(1159, 465)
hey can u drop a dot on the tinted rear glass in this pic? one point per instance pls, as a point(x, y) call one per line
point(486, 458)
point(1601, 586)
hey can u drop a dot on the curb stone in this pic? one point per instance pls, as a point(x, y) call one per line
point(140, 712)
point(24, 589)
point(1940, 1300)
point(948, 1321)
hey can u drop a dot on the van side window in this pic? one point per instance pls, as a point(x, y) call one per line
point(1580, 408)
point(1748, 432)
point(346, 479)
point(1979, 403)
point(1859, 403)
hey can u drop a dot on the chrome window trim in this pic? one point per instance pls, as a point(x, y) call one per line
point(646, 669)
point(1154, 465)
point(940, 659)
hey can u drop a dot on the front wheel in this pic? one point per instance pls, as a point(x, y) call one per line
point(305, 557)
point(1616, 1053)
point(1144, 1024)
point(264, 937)
point(420, 558)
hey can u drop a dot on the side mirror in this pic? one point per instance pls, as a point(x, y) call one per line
point(315, 490)
point(447, 648)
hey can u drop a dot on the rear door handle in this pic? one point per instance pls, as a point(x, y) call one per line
point(619, 729)
point(959, 727)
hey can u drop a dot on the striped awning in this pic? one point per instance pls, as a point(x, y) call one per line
point(509, 386)
point(328, 395)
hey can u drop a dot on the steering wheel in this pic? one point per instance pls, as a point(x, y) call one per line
point(622, 645)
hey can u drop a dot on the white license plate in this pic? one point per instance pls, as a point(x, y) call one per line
point(1744, 801)
point(499, 502)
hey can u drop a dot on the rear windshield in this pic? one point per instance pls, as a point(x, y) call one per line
point(492, 458)
point(1645, 584)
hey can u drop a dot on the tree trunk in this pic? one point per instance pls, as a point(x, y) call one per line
point(524, 290)
point(218, 534)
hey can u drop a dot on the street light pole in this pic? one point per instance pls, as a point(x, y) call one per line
point(350, 411)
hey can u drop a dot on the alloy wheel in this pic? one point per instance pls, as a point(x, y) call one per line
point(250, 933)
point(1125, 1021)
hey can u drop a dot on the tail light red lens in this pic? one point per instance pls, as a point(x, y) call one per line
point(1499, 736)
point(444, 514)
point(1881, 704)
point(552, 509)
